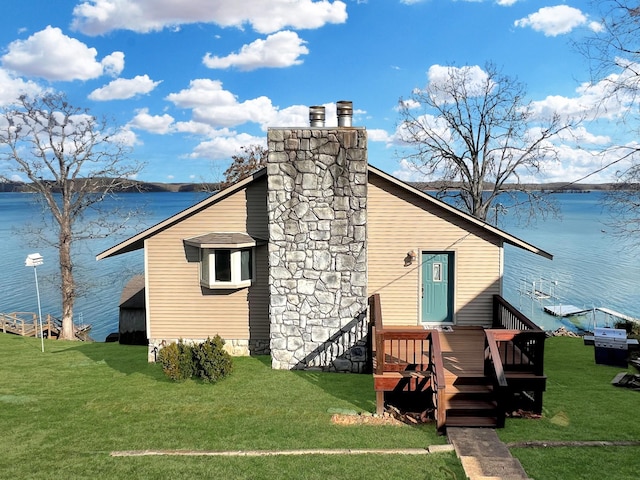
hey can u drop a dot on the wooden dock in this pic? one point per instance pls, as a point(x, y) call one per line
point(26, 324)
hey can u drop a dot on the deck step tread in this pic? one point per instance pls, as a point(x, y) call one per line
point(470, 404)
point(469, 421)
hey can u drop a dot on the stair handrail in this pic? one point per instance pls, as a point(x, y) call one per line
point(507, 316)
point(438, 383)
point(495, 369)
point(375, 318)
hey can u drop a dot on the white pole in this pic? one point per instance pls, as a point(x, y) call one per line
point(35, 273)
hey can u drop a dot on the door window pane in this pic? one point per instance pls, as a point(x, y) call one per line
point(437, 272)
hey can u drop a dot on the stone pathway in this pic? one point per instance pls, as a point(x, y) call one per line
point(484, 456)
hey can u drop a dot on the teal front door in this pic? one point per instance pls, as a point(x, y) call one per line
point(437, 287)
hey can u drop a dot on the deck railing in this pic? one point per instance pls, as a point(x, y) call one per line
point(25, 324)
point(494, 368)
point(520, 341)
point(437, 380)
point(506, 316)
point(409, 350)
point(514, 347)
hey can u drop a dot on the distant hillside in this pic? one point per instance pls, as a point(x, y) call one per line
point(135, 187)
point(558, 187)
point(423, 186)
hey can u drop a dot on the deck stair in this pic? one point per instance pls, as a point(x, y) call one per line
point(473, 375)
point(469, 396)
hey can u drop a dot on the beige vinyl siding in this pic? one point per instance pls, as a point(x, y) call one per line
point(178, 307)
point(399, 222)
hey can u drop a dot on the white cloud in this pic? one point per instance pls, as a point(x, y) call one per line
point(281, 49)
point(52, 55)
point(554, 21)
point(592, 102)
point(213, 105)
point(113, 64)
point(378, 135)
point(223, 147)
point(474, 78)
point(159, 124)
point(506, 3)
point(11, 88)
point(408, 172)
point(126, 137)
point(123, 88)
point(96, 17)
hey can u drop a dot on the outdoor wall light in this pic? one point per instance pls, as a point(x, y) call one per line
point(410, 258)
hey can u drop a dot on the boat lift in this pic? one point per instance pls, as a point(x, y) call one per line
point(544, 292)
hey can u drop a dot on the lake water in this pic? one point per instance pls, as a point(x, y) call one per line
point(590, 267)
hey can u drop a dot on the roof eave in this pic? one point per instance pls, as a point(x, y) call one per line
point(137, 241)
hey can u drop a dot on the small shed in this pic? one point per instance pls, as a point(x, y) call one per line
point(132, 325)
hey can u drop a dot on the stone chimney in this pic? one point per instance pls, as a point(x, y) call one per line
point(317, 206)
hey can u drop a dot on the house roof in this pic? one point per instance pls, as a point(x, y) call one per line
point(137, 241)
point(223, 240)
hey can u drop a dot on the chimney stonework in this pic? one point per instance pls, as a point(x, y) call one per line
point(317, 207)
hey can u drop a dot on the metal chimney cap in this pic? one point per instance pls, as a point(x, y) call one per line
point(345, 113)
point(316, 116)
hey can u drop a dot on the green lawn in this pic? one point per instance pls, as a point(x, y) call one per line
point(580, 405)
point(64, 411)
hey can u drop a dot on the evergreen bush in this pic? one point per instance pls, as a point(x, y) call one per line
point(212, 362)
point(207, 360)
point(177, 361)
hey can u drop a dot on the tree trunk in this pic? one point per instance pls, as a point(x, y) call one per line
point(67, 285)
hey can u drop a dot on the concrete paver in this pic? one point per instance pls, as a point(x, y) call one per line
point(484, 456)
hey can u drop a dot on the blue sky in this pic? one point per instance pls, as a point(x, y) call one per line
point(190, 82)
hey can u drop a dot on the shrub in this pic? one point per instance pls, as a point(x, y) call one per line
point(207, 360)
point(632, 328)
point(212, 362)
point(177, 361)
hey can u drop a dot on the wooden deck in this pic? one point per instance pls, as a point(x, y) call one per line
point(471, 376)
point(26, 324)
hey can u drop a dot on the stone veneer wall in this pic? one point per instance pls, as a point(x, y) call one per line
point(317, 200)
point(235, 347)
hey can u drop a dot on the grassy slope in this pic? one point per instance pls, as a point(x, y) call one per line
point(64, 411)
point(580, 405)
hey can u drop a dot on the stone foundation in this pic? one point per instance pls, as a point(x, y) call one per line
point(235, 347)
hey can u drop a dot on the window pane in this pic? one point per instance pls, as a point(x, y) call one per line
point(204, 265)
point(246, 264)
point(223, 265)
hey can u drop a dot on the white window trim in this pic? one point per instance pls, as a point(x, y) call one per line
point(236, 282)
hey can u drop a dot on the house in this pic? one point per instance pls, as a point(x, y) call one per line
point(285, 261)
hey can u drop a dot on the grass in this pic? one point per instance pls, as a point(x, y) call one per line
point(580, 405)
point(64, 411)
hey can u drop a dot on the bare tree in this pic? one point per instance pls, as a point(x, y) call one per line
point(73, 161)
point(251, 159)
point(473, 131)
point(614, 58)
